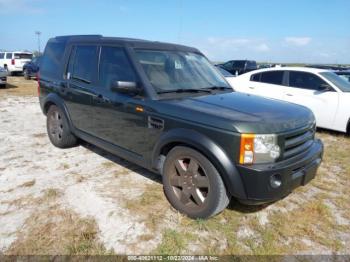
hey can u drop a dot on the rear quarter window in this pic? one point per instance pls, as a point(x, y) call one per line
point(2, 55)
point(52, 59)
point(9, 56)
point(255, 78)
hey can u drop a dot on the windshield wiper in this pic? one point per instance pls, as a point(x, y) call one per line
point(185, 90)
point(219, 88)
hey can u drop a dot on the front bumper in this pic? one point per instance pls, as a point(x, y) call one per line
point(292, 173)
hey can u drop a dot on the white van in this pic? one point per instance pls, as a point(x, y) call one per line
point(13, 61)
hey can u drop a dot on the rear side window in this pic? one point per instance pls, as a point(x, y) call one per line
point(51, 61)
point(272, 77)
point(23, 56)
point(2, 55)
point(255, 78)
point(305, 80)
point(115, 66)
point(84, 66)
point(9, 56)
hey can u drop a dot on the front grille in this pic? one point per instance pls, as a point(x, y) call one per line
point(298, 142)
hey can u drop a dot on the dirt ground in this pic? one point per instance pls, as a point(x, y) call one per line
point(86, 201)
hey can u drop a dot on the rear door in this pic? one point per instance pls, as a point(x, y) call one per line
point(304, 89)
point(267, 84)
point(81, 86)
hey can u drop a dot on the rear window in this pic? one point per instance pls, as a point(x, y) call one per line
point(23, 56)
point(273, 77)
point(51, 61)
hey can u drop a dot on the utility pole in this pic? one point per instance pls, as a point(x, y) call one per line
point(38, 33)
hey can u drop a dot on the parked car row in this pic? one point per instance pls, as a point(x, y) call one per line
point(322, 91)
point(13, 62)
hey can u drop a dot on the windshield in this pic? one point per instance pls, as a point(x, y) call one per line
point(238, 64)
point(345, 75)
point(175, 70)
point(23, 56)
point(341, 83)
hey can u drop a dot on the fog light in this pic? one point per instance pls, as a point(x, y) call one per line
point(275, 181)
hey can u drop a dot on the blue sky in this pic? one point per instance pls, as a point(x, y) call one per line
point(274, 30)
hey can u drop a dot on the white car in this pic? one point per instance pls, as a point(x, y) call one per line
point(323, 91)
point(13, 62)
point(3, 76)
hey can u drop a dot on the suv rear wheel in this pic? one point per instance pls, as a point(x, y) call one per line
point(58, 129)
point(192, 184)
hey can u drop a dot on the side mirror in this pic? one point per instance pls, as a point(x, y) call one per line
point(325, 88)
point(125, 87)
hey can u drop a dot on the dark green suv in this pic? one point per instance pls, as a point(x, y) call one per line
point(166, 108)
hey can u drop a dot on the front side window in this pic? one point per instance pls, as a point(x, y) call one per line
point(305, 80)
point(84, 66)
point(174, 70)
point(115, 66)
point(9, 56)
point(272, 77)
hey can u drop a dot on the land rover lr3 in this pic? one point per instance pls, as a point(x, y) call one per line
point(166, 108)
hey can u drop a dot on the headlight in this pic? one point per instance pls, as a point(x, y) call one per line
point(256, 149)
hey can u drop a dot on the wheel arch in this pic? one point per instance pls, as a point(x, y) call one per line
point(205, 146)
point(54, 99)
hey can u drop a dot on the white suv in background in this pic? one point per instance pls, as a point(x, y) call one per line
point(13, 61)
point(323, 91)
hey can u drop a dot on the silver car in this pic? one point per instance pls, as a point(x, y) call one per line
point(3, 76)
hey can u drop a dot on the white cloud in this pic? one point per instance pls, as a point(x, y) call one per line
point(262, 47)
point(298, 41)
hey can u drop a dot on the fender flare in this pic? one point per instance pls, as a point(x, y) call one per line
point(53, 98)
point(211, 150)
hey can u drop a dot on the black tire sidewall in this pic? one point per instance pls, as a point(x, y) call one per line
point(215, 181)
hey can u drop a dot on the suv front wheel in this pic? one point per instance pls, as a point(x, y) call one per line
point(58, 129)
point(192, 184)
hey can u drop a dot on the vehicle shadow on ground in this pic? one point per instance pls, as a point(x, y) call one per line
point(9, 86)
point(122, 162)
point(234, 205)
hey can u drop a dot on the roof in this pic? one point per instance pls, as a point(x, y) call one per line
point(290, 68)
point(132, 42)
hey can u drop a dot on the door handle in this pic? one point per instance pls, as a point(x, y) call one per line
point(101, 99)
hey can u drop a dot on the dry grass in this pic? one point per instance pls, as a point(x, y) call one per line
point(18, 86)
point(58, 232)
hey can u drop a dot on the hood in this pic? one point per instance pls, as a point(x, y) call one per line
point(238, 112)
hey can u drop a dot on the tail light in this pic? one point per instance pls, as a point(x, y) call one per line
point(38, 80)
point(13, 61)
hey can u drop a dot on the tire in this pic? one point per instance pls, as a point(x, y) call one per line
point(25, 74)
point(192, 184)
point(58, 129)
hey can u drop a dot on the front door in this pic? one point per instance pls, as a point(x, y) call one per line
point(304, 89)
point(119, 119)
